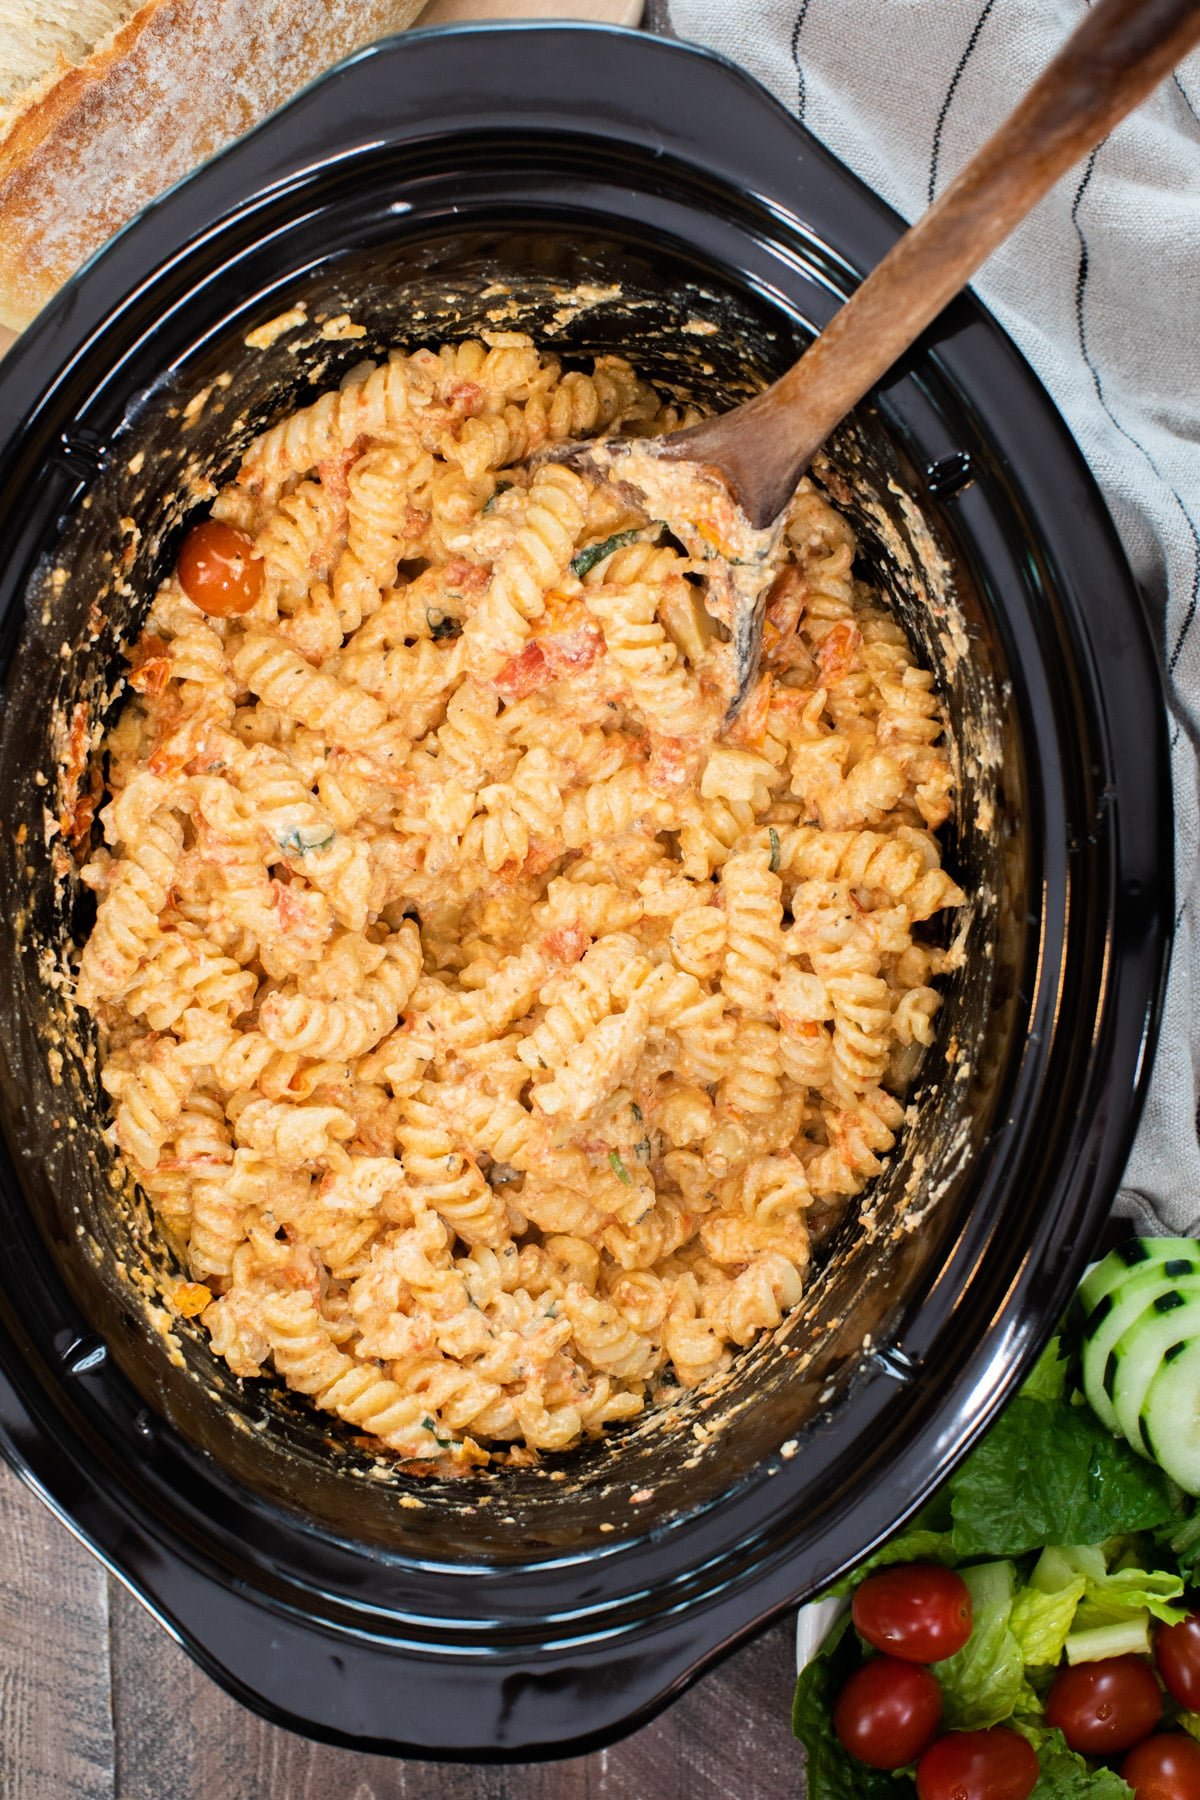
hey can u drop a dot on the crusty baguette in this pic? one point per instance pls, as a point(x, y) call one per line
point(40, 38)
point(85, 148)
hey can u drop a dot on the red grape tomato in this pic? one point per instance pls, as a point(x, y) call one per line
point(1164, 1767)
point(1177, 1653)
point(218, 570)
point(888, 1712)
point(917, 1611)
point(978, 1765)
point(1104, 1707)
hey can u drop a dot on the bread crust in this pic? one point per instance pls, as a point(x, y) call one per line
point(178, 81)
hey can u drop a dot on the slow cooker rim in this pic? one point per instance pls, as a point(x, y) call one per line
point(757, 94)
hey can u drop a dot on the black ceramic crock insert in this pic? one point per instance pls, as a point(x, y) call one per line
point(538, 1611)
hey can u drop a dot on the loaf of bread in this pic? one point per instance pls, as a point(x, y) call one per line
point(104, 103)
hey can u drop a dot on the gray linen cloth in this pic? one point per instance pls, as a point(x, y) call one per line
point(1100, 288)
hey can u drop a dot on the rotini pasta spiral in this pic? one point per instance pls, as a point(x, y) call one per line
point(536, 560)
point(343, 1030)
point(357, 1392)
point(127, 919)
point(753, 935)
point(626, 595)
point(279, 675)
point(444, 1179)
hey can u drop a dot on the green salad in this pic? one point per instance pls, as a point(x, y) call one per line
point(1030, 1632)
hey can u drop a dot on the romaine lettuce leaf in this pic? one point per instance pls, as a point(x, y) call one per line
point(1065, 1776)
point(1048, 1378)
point(1051, 1474)
point(1071, 1590)
point(915, 1546)
point(985, 1682)
point(1040, 1621)
point(1124, 1591)
point(1059, 1564)
point(1046, 1474)
point(1181, 1537)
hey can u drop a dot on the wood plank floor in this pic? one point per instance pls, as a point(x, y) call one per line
point(97, 1703)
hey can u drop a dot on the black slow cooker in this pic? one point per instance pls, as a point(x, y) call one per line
point(606, 191)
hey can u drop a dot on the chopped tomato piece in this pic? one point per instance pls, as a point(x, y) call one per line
point(750, 727)
point(838, 655)
point(787, 598)
point(467, 398)
point(76, 824)
point(524, 673)
point(463, 577)
point(333, 472)
point(713, 537)
point(546, 658)
point(567, 943)
point(150, 665)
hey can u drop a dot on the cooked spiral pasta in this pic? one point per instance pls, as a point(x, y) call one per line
point(358, 1392)
point(375, 536)
point(533, 564)
point(127, 920)
point(343, 1030)
point(299, 544)
point(279, 675)
point(625, 592)
point(481, 1018)
point(150, 1096)
point(443, 1178)
point(753, 937)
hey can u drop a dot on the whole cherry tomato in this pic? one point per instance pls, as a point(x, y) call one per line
point(1164, 1767)
point(978, 1765)
point(888, 1712)
point(1177, 1653)
point(917, 1611)
point(218, 571)
point(1103, 1707)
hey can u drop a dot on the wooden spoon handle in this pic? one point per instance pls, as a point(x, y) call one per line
point(1120, 52)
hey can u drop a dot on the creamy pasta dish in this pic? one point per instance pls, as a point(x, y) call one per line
point(481, 1014)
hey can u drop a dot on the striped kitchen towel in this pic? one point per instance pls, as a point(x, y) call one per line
point(1100, 288)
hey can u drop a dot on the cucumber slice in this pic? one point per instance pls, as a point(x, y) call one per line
point(1171, 1417)
point(1132, 1257)
point(1108, 1321)
point(1170, 1321)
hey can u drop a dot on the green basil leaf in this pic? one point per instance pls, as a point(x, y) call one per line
point(587, 558)
point(302, 838)
point(442, 625)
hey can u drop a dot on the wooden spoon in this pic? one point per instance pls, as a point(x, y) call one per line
point(759, 451)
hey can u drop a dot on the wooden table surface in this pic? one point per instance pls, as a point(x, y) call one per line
point(98, 1703)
